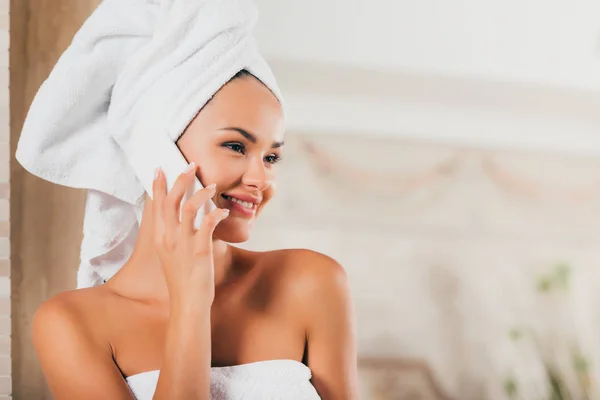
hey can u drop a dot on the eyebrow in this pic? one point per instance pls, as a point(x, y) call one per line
point(250, 136)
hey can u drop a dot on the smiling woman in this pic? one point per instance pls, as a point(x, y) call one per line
point(237, 141)
point(187, 314)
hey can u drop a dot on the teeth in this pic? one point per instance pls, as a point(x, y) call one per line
point(244, 204)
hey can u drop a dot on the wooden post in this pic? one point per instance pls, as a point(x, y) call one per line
point(46, 219)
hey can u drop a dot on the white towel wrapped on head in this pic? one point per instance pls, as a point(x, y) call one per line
point(134, 77)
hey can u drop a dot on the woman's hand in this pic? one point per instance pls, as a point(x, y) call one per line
point(185, 253)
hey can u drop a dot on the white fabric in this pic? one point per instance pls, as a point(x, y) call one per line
point(264, 380)
point(134, 77)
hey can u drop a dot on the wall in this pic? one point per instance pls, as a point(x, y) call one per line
point(534, 41)
point(341, 99)
point(512, 74)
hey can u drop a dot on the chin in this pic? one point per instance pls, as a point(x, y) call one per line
point(232, 232)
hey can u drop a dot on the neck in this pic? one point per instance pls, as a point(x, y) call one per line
point(142, 276)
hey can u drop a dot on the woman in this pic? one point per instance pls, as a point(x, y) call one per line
point(189, 316)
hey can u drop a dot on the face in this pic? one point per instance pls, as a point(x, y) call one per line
point(237, 141)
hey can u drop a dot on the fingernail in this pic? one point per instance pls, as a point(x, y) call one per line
point(225, 212)
point(212, 186)
point(156, 173)
point(190, 167)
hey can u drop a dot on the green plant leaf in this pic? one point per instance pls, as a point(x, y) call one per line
point(544, 284)
point(580, 363)
point(515, 334)
point(562, 274)
point(556, 386)
point(510, 387)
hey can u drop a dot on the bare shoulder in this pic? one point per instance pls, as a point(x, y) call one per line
point(72, 303)
point(306, 274)
point(312, 265)
point(318, 294)
point(70, 342)
point(57, 310)
point(67, 316)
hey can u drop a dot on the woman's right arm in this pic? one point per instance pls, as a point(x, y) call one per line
point(186, 257)
point(185, 370)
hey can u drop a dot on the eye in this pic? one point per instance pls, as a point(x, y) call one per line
point(273, 158)
point(237, 147)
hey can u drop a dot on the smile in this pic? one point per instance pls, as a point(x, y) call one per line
point(248, 207)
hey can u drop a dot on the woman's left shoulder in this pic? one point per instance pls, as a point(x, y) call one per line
point(306, 272)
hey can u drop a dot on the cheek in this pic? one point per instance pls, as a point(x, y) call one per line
point(212, 169)
point(220, 173)
point(204, 158)
point(208, 174)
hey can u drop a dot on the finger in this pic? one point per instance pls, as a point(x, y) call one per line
point(175, 196)
point(159, 192)
point(204, 234)
point(191, 207)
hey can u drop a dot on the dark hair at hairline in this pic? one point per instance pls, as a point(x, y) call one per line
point(244, 73)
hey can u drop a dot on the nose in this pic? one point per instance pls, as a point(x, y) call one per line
point(257, 175)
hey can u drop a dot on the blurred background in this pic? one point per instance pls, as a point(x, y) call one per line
point(445, 152)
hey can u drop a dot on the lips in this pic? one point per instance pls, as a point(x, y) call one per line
point(243, 205)
point(249, 205)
